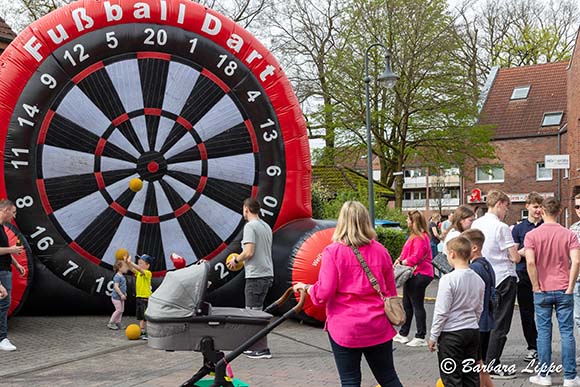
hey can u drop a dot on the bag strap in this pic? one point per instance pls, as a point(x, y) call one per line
point(368, 272)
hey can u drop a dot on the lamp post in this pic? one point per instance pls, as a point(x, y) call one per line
point(387, 79)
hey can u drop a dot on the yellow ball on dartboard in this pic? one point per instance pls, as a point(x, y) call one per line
point(121, 254)
point(136, 184)
point(439, 383)
point(133, 332)
point(230, 258)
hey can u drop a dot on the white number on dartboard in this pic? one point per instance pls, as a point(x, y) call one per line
point(73, 267)
point(45, 242)
point(230, 68)
point(100, 281)
point(78, 49)
point(222, 269)
point(26, 201)
point(112, 41)
point(151, 40)
point(48, 80)
point(17, 151)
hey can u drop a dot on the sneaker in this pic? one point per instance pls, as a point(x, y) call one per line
point(248, 352)
point(112, 326)
point(401, 339)
point(144, 337)
point(416, 342)
point(531, 355)
point(541, 380)
point(265, 354)
point(119, 326)
point(502, 374)
point(572, 382)
point(578, 360)
point(6, 345)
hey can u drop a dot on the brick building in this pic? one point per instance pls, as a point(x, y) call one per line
point(527, 108)
point(6, 35)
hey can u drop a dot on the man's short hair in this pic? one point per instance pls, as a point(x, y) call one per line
point(253, 205)
point(5, 203)
point(534, 198)
point(461, 246)
point(552, 206)
point(474, 236)
point(494, 197)
point(577, 196)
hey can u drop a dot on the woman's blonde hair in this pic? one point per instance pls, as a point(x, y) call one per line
point(418, 223)
point(354, 225)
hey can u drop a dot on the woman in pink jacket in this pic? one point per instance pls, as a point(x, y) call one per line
point(355, 316)
point(416, 252)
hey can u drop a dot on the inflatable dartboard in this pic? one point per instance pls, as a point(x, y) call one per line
point(100, 93)
point(21, 284)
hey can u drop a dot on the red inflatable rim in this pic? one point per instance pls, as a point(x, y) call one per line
point(22, 58)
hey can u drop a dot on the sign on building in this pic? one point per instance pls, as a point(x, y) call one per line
point(557, 161)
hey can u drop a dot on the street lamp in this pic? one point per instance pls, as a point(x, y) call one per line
point(387, 79)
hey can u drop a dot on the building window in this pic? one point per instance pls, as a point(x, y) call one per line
point(489, 174)
point(543, 174)
point(520, 92)
point(408, 195)
point(552, 119)
point(524, 214)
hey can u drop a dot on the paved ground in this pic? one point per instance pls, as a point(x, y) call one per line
point(73, 351)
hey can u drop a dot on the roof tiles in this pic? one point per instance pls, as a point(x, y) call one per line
point(6, 33)
point(523, 117)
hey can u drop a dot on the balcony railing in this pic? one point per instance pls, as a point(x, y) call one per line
point(420, 204)
point(434, 181)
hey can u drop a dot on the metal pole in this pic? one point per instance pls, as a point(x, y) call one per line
point(369, 140)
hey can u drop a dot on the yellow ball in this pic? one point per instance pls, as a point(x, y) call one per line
point(121, 254)
point(439, 383)
point(133, 332)
point(231, 257)
point(136, 184)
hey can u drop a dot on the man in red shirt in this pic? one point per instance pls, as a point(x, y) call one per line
point(549, 250)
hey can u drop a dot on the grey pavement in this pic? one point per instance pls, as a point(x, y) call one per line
point(81, 351)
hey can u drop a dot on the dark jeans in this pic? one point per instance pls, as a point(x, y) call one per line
point(414, 302)
point(6, 281)
point(483, 345)
point(458, 346)
point(255, 292)
point(379, 358)
point(526, 304)
point(506, 292)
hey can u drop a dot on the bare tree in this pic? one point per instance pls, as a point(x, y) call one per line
point(243, 12)
point(307, 33)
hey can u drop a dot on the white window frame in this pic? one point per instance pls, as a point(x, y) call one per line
point(490, 180)
point(544, 124)
point(538, 178)
point(516, 93)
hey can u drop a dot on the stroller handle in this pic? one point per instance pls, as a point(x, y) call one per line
point(297, 309)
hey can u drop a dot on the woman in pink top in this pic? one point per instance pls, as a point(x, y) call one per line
point(416, 252)
point(355, 315)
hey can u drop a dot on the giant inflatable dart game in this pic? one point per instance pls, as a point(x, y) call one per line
point(143, 126)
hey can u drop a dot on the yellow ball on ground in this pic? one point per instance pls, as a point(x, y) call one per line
point(439, 383)
point(230, 258)
point(133, 332)
point(121, 254)
point(136, 184)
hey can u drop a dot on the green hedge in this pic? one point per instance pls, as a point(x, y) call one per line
point(392, 239)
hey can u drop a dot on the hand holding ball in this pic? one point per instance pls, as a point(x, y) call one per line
point(232, 265)
point(121, 254)
point(136, 184)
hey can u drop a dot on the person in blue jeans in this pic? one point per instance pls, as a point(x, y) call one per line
point(549, 249)
point(7, 214)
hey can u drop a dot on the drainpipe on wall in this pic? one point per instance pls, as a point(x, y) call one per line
point(562, 130)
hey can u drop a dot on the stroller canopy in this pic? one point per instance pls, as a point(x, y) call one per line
point(180, 294)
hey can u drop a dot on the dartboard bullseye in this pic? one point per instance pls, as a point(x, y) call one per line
point(146, 136)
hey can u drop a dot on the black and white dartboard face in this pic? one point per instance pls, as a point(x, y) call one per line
point(147, 102)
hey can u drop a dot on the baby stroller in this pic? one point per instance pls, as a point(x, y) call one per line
point(178, 319)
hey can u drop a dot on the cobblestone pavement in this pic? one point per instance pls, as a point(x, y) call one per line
point(81, 351)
